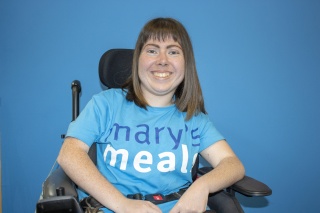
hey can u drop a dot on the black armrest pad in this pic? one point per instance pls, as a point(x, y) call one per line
point(246, 186)
point(61, 204)
point(251, 187)
point(56, 179)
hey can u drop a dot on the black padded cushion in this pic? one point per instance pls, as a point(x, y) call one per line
point(115, 67)
point(223, 202)
point(251, 187)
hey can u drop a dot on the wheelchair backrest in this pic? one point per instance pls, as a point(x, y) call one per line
point(115, 67)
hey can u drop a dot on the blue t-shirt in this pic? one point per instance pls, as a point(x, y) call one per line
point(142, 151)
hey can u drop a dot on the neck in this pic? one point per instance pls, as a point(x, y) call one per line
point(160, 101)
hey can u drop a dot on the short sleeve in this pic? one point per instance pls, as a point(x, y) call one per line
point(209, 134)
point(89, 124)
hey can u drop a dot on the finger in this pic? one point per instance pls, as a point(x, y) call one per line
point(154, 207)
point(175, 209)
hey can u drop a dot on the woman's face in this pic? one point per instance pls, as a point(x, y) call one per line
point(161, 69)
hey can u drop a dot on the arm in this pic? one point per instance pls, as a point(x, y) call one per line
point(73, 158)
point(227, 170)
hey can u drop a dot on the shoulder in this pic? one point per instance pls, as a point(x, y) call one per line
point(200, 118)
point(110, 95)
point(107, 99)
point(202, 121)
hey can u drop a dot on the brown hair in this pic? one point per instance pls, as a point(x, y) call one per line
point(188, 95)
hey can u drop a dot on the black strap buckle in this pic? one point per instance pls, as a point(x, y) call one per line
point(158, 198)
point(153, 198)
point(137, 196)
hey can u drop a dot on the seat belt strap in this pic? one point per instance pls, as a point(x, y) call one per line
point(91, 203)
point(158, 198)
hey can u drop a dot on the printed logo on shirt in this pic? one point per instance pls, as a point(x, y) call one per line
point(143, 134)
point(143, 160)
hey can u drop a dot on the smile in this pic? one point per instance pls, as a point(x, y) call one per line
point(161, 74)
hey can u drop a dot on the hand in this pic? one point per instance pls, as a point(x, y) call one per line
point(139, 206)
point(194, 200)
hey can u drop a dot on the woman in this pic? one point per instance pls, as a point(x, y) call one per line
point(149, 132)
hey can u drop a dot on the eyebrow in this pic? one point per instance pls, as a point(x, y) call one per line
point(168, 47)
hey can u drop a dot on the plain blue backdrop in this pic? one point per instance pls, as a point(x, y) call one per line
point(258, 63)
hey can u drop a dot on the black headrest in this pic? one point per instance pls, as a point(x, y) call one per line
point(115, 67)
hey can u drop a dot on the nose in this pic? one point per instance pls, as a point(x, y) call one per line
point(163, 59)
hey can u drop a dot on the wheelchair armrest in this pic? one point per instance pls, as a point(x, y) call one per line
point(58, 179)
point(251, 187)
point(246, 186)
point(58, 204)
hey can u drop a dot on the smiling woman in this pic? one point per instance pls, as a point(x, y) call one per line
point(149, 132)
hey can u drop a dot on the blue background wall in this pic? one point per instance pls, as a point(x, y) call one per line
point(258, 62)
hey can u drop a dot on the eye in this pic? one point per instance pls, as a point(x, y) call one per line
point(151, 51)
point(174, 52)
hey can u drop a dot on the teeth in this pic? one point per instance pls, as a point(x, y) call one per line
point(161, 74)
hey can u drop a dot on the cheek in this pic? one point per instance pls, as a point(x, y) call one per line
point(143, 63)
point(139, 64)
point(181, 67)
point(142, 73)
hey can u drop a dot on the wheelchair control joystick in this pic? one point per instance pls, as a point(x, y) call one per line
point(60, 191)
point(76, 90)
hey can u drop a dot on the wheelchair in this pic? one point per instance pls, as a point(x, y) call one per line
point(59, 193)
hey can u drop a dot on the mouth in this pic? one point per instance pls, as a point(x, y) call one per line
point(161, 74)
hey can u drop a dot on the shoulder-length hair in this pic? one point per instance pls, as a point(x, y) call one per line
point(188, 95)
